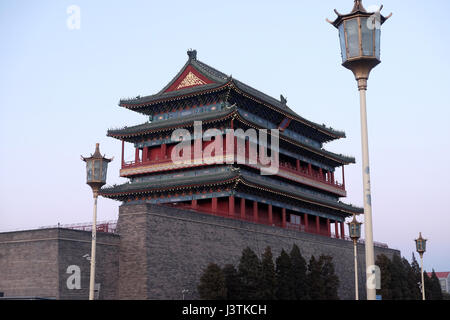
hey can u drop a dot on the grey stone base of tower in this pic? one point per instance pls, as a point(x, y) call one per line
point(164, 250)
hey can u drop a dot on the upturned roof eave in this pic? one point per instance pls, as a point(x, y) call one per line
point(220, 179)
point(147, 128)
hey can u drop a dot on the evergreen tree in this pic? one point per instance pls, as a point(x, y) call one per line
point(250, 275)
point(285, 288)
point(212, 283)
point(232, 282)
point(436, 287)
point(398, 284)
point(268, 278)
point(384, 264)
point(428, 286)
point(329, 278)
point(412, 287)
point(315, 281)
point(299, 269)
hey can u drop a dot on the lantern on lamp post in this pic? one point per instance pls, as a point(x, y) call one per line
point(354, 228)
point(421, 245)
point(96, 169)
point(359, 33)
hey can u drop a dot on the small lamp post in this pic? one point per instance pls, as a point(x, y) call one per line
point(359, 33)
point(96, 169)
point(354, 228)
point(421, 245)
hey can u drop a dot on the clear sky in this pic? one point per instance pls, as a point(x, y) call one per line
point(59, 91)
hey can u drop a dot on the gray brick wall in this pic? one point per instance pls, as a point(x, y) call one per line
point(164, 250)
point(35, 262)
point(29, 263)
point(160, 252)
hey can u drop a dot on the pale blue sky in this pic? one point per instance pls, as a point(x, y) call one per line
point(59, 91)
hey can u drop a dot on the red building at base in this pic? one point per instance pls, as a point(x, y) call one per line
point(303, 195)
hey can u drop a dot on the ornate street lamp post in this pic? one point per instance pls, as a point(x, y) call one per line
point(355, 233)
point(96, 168)
point(421, 245)
point(359, 33)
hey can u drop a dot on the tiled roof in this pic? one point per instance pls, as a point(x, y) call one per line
point(440, 275)
point(221, 80)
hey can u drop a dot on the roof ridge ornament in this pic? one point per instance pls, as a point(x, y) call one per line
point(283, 100)
point(192, 54)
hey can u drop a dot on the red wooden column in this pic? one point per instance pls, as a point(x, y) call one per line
point(242, 208)
point(321, 173)
point(336, 230)
point(231, 205)
point(343, 177)
point(283, 217)
point(214, 205)
point(123, 152)
point(269, 209)
point(332, 177)
point(328, 227)
point(297, 163)
point(305, 216)
point(164, 151)
point(145, 154)
point(342, 230)
point(194, 204)
point(317, 224)
point(255, 211)
point(136, 155)
point(310, 169)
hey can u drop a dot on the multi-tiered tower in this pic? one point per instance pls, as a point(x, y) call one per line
point(303, 194)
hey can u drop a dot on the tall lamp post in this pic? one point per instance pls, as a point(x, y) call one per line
point(355, 233)
point(359, 33)
point(96, 168)
point(421, 245)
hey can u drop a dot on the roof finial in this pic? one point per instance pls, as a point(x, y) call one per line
point(97, 150)
point(192, 54)
point(358, 6)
